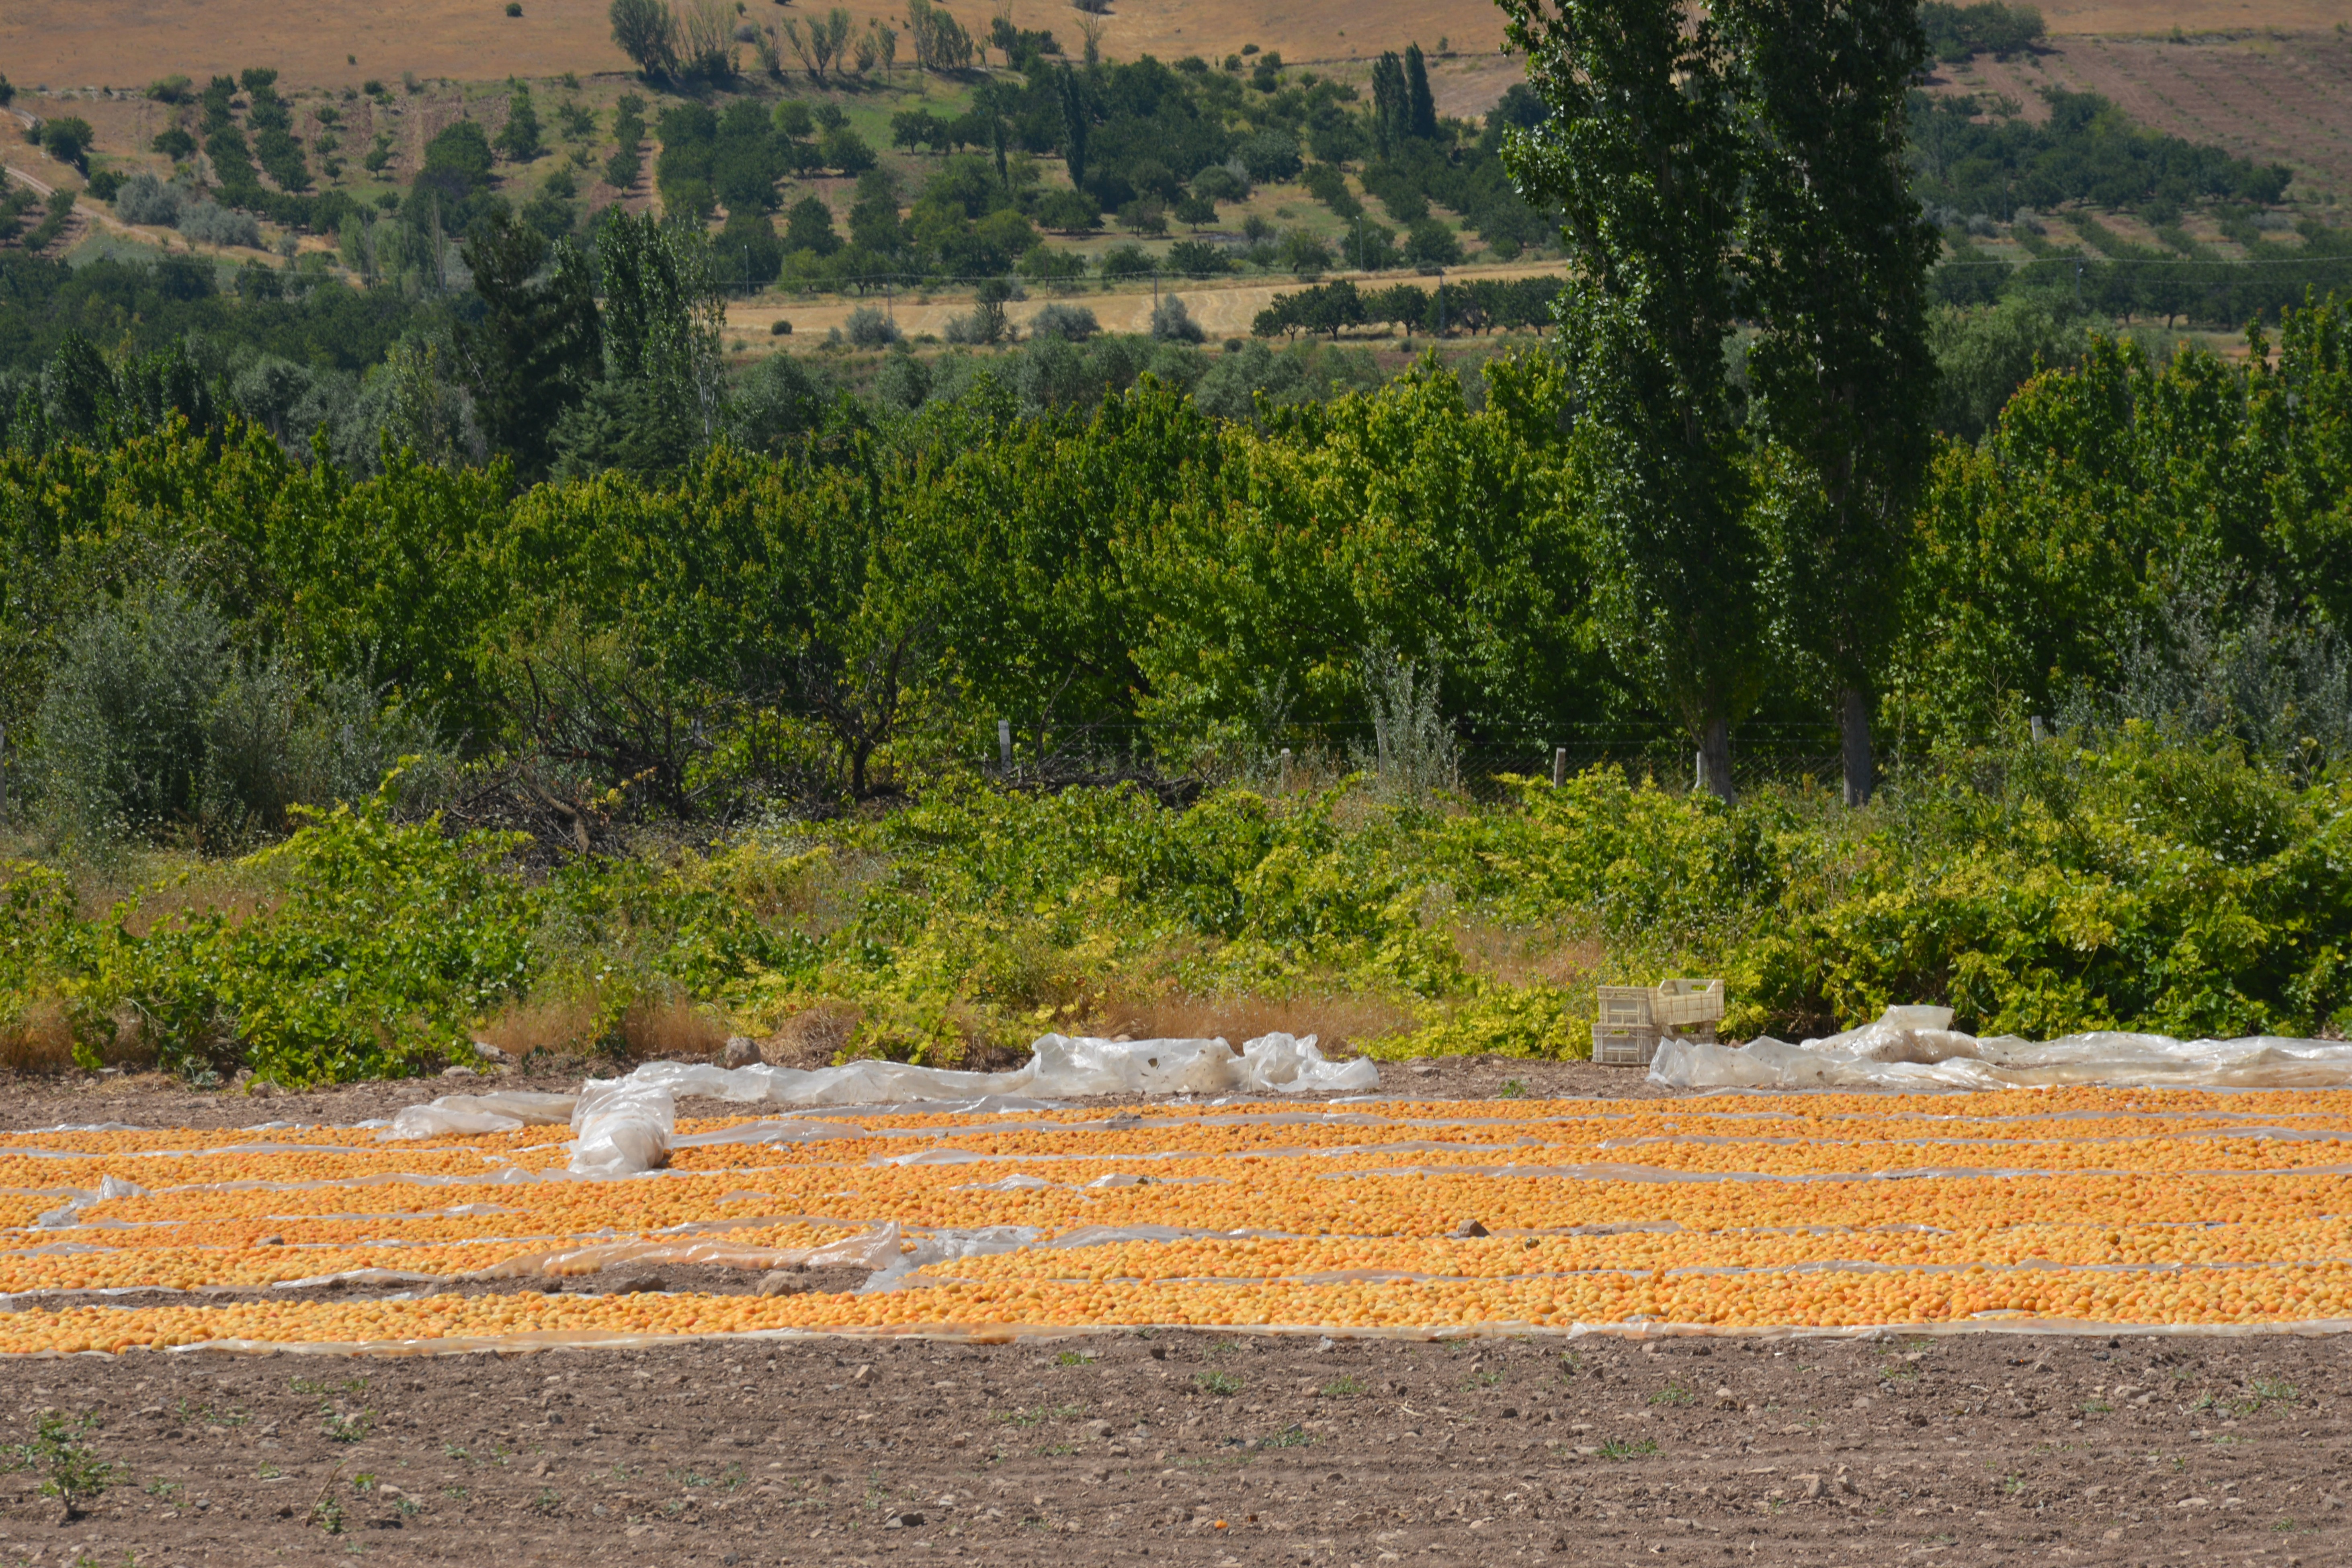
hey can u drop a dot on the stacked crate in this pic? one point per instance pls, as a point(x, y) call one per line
point(1633, 1018)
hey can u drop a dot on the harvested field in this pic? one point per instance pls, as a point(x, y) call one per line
point(1221, 308)
point(2274, 100)
point(339, 43)
point(1204, 1444)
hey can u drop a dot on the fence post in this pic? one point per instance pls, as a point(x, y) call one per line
point(2035, 721)
point(1285, 770)
point(1004, 745)
point(1559, 767)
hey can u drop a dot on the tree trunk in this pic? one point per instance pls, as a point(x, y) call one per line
point(1861, 761)
point(1713, 769)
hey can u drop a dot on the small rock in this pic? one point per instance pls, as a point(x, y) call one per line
point(906, 1521)
point(489, 1053)
point(863, 1377)
point(550, 1287)
point(1098, 1428)
point(1422, 1070)
point(1469, 1227)
point(780, 1282)
point(261, 1088)
point(741, 1052)
point(639, 1286)
point(1813, 1485)
point(957, 1441)
point(460, 1072)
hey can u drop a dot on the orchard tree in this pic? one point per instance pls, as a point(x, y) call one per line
point(1642, 156)
point(1843, 379)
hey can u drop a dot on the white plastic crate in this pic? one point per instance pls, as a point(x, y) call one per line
point(1680, 1004)
point(1628, 1007)
point(1625, 1045)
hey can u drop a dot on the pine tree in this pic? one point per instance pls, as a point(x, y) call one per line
point(533, 355)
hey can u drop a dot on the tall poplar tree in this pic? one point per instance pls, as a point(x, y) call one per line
point(1642, 155)
point(1420, 107)
point(1837, 254)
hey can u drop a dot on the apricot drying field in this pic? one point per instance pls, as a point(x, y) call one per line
point(1379, 1216)
point(1437, 1404)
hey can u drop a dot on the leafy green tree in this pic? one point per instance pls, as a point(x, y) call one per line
point(1837, 256)
point(68, 139)
point(534, 352)
point(660, 398)
point(646, 31)
point(1642, 155)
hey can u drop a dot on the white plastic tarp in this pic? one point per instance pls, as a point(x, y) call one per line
point(625, 1126)
point(1063, 1066)
point(1914, 1047)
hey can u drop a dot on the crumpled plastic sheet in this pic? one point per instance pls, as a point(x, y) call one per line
point(69, 1215)
point(1062, 1067)
point(500, 1112)
point(626, 1126)
point(622, 1127)
point(1905, 1051)
point(875, 1249)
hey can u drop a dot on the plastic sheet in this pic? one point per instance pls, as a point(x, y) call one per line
point(622, 1127)
point(1907, 1049)
point(471, 1113)
point(1062, 1067)
point(626, 1126)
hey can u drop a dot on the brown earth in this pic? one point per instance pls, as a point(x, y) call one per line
point(1196, 1448)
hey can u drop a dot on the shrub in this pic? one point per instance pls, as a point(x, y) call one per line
point(870, 328)
point(1431, 242)
point(1271, 155)
point(208, 224)
point(1171, 322)
point(145, 199)
point(1072, 323)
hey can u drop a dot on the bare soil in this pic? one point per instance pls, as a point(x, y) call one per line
point(1185, 1448)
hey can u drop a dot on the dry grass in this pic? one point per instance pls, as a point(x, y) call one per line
point(813, 1038)
point(659, 1028)
point(1524, 955)
point(562, 1026)
point(40, 1042)
point(1340, 1022)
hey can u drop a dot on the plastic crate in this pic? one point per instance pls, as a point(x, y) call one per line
point(1680, 1004)
point(1624, 1046)
point(1628, 1007)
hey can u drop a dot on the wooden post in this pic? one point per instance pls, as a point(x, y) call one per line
point(1004, 745)
point(1285, 770)
point(1559, 767)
